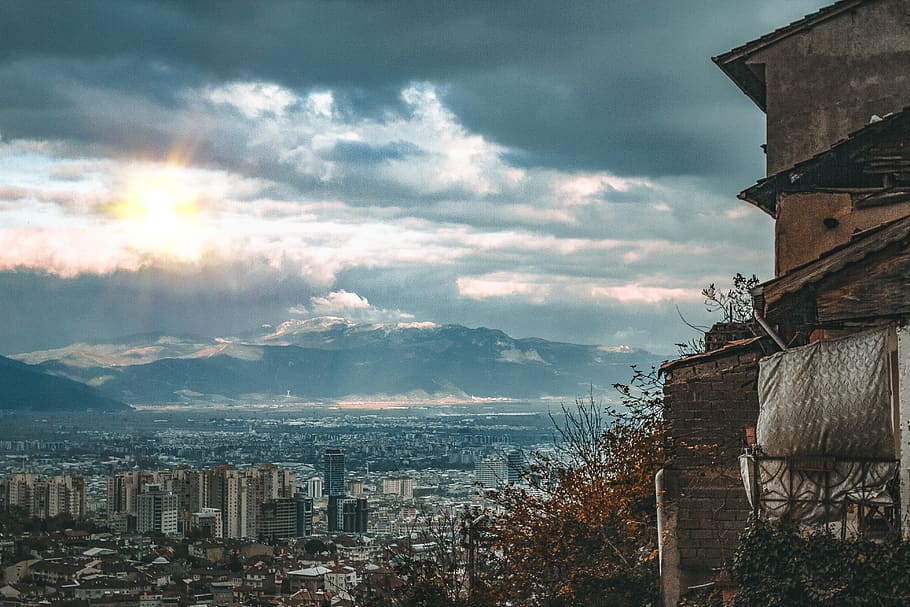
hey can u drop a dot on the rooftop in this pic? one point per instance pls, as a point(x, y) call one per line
point(855, 162)
point(733, 346)
point(861, 246)
point(751, 81)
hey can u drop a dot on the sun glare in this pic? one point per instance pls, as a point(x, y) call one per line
point(161, 207)
point(161, 213)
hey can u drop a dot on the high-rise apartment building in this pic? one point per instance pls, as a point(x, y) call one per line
point(157, 510)
point(304, 516)
point(491, 471)
point(123, 490)
point(47, 497)
point(334, 472)
point(236, 493)
point(348, 514)
point(335, 514)
point(313, 487)
point(239, 494)
point(21, 488)
point(270, 482)
point(192, 487)
point(66, 495)
point(355, 515)
point(232, 494)
point(516, 465)
point(208, 521)
point(406, 487)
point(403, 486)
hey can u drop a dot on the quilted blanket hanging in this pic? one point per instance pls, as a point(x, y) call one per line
point(828, 398)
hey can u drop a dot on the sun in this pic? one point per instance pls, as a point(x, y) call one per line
point(161, 207)
point(161, 214)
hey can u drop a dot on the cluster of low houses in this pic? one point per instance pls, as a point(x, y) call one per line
point(76, 568)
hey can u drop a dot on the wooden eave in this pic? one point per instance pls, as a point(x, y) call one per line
point(861, 246)
point(735, 63)
point(855, 163)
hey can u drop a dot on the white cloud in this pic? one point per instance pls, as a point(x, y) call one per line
point(337, 303)
point(255, 99)
point(350, 306)
point(309, 188)
point(502, 284)
point(742, 211)
point(540, 289)
point(641, 294)
point(321, 104)
point(514, 355)
point(585, 189)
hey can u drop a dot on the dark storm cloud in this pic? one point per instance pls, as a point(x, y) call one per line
point(453, 155)
point(64, 99)
point(356, 152)
point(621, 86)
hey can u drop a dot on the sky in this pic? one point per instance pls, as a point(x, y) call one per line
point(564, 170)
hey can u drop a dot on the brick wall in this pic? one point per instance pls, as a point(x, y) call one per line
point(709, 399)
point(723, 333)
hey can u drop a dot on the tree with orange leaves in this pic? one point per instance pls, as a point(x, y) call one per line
point(581, 532)
point(586, 532)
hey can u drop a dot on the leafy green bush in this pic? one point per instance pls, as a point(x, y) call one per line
point(777, 566)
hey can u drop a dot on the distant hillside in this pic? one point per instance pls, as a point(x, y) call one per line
point(334, 358)
point(28, 387)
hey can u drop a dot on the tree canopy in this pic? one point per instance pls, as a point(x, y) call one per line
point(581, 531)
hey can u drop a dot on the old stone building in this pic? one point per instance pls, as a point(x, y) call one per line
point(809, 406)
point(823, 76)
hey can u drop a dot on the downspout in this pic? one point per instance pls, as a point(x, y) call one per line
point(659, 492)
point(758, 300)
point(667, 547)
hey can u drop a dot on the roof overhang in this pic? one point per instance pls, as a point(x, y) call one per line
point(860, 247)
point(855, 163)
point(749, 76)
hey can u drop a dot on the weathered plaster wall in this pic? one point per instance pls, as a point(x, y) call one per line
point(801, 234)
point(708, 402)
point(827, 82)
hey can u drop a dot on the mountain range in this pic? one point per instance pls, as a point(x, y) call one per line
point(30, 387)
point(334, 358)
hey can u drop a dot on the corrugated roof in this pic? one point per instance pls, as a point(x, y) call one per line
point(752, 83)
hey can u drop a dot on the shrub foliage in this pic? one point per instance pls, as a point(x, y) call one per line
point(777, 566)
